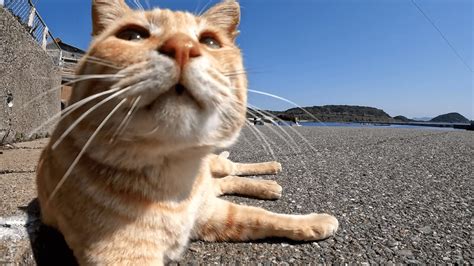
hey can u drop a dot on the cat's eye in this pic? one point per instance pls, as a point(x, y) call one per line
point(210, 42)
point(133, 34)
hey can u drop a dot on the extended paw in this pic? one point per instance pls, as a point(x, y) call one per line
point(316, 227)
point(224, 154)
point(275, 167)
point(270, 189)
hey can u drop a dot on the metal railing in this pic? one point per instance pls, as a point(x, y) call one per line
point(26, 13)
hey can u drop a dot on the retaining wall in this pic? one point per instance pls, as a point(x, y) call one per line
point(26, 72)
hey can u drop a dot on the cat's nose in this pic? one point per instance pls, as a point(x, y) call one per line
point(180, 47)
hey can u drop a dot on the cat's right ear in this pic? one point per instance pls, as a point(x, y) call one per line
point(105, 12)
point(225, 15)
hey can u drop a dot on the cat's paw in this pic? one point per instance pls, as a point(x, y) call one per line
point(316, 226)
point(275, 167)
point(224, 154)
point(270, 190)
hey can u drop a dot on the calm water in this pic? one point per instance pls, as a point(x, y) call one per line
point(369, 125)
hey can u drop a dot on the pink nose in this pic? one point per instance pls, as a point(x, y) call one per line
point(180, 47)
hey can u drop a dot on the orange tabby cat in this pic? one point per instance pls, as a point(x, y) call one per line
point(129, 176)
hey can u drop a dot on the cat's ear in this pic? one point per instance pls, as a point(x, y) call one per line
point(105, 12)
point(225, 15)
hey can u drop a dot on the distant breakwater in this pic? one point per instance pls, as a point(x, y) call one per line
point(385, 124)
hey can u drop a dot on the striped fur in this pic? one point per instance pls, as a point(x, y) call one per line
point(138, 197)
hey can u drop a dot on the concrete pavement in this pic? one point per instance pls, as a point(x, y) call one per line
point(401, 196)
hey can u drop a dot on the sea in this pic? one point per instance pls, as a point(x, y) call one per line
point(369, 125)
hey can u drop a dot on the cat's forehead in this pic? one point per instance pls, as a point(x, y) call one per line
point(161, 21)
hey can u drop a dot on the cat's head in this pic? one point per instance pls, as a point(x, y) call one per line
point(178, 78)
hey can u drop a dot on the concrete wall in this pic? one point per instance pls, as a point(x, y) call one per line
point(26, 71)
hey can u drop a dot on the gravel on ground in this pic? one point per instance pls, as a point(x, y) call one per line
point(401, 196)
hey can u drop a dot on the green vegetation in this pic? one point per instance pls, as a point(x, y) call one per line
point(348, 113)
point(335, 113)
point(450, 118)
point(401, 118)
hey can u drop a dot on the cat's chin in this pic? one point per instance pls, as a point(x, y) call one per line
point(178, 93)
point(176, 116)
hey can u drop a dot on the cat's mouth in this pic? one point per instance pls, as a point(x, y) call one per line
point(178, 90)
point(182, 91)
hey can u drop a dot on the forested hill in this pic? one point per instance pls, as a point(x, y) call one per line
point(349, 113)
point(336, 113)
point(450, 118)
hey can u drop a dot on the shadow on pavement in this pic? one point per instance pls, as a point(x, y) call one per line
point(47, 244)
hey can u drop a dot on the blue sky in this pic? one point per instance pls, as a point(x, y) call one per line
point(380, 53)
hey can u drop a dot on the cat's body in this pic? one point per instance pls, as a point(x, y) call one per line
point(138, 197)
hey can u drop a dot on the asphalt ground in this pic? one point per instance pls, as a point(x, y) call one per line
point(401, 196)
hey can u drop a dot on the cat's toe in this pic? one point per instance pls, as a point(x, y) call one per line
point(276, 167)
point(275, 191)
point(318, 226)
point(271, 190)
point(224, 154)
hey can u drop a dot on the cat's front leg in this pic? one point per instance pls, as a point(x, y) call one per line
point(221, 166)
point(231, 222)
point(255, 188)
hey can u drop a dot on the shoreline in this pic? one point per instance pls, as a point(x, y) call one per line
point(462, 126)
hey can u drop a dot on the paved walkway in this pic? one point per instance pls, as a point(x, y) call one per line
point(401, 195)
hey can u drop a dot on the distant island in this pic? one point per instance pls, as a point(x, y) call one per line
point(450, 118)
point(404, 119)
point(422, 119)
point(349, 113)
point(335, 113)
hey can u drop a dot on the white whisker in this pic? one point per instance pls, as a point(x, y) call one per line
point(97, 61)
point(72, 108)
point(292, 147)
point(291, 128)
point(197, 7)
point(261, 138)
point(147, 3)
point(138, 4)
point(151, 132)
point(263, 133)
point(201, 12)
point(79, 79)
point(123, 125)
point(286, 140)
point(92, 109)
point(79, 156)
point(286, 100)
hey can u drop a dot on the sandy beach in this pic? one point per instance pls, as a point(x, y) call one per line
point(401, 196)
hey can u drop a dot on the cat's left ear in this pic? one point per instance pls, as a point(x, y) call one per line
point(225, 15)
